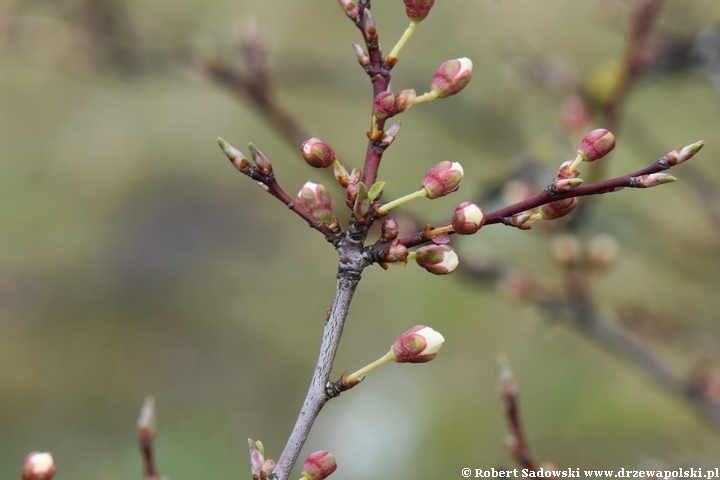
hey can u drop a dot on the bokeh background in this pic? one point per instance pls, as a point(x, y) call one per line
point(135, 260)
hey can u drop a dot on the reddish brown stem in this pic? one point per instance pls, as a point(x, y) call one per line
point(146, 449)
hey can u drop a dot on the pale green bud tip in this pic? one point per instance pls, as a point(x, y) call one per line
point(317, 153)
point(38, 466)
point(437, 259)
point(319, 465)
point(420, 344)
point(451, 77)
point(442, 179)
point(146, 420)
point(229, 150)
point(651, 180)
point(467, 219)
point(683, 154)
point(596, 145)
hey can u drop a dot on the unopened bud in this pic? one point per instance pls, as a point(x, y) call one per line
point(390, 230)
point(396, 253)
point(682, 154)
point(317, 153)
point(260, 160)
point(368, 25)
point(390, 135)
point(437, 259)
point(38, 466)
point(405, 99)
point(451, 77)
point(349, 8)
point(316, 200)
point(554, 210)
point(651, 180)
point(363, 58)
point(361, 206)
point(256, 457)
point(442, 179)
point(351, 193)
point(566, 250)
point(318, 466)
point(417, 10)
point(602, 251)
point(233, 154)
point(146, 420)
point(596, 144)
point(420, 344)
point(385, 105)
point(565, 184)
point(467, 219)
point(267, 468)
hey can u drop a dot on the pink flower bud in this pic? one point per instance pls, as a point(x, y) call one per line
point(417, 10)
point(596, 144)
point(451, 77)
point(437, 259)
point(316, 200)
point(420, 344)
point(385, 105)
point(38, 466)
point(442, 179)
point(319, 465)
point(317, 153)
point(467, 219)
point(553, 210)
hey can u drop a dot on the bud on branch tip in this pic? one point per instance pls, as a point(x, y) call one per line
point(442, 179)
point(594, 146)
point(38, 466)
point(318, 466)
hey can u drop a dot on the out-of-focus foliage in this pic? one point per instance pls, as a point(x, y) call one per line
point(134, 260)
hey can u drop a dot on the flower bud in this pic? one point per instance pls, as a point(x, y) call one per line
point(405, 99)
point(316, 200)
point(553, 210)
point(318, 466)
point(437, 259)
point(256, 457)
point(390, 230)
point(651, 180)
point(363, 58)
point(596, 144)
point(451, 77)
point(38, 466)
point(442, 179)
point(263, 164)
point(417, 10)
point(682, 154)
point(467, 219)
point(390, 134)
point(317, 153)
point(420, 344)
point(146, 420)
point(385, 105)
point(396, 253)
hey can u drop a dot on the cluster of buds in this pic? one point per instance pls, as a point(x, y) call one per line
point(260, 467)
point(38, 466)
point(318, 466)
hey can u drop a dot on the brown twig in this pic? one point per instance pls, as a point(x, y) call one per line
point(508, 391)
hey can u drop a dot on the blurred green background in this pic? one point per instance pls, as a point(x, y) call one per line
point(135, 260)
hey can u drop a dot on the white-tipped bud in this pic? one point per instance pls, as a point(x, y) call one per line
point(38, 466)
point(316, 200)
point(437, 259)
point(467, 219)
point(420, 344)
point(451, 77)
point(651, 180)
point(442, 179)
